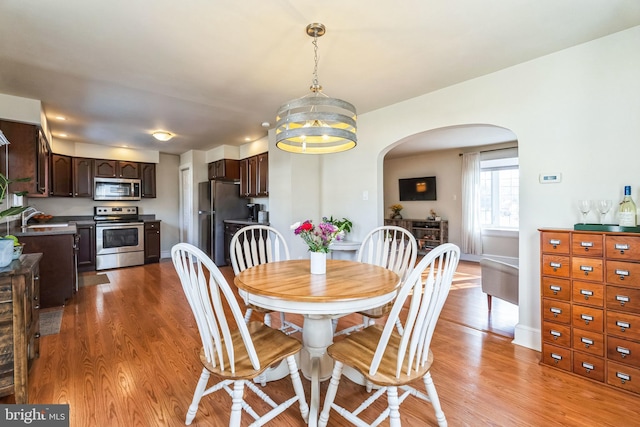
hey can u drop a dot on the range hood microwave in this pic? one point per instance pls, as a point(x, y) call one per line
point(116, 189)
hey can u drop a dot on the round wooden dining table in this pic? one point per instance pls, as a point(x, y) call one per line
point(289, 286)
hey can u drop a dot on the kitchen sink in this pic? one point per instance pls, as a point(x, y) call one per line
point(55, 224)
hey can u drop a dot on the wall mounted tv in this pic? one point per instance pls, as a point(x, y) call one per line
point(417, 188)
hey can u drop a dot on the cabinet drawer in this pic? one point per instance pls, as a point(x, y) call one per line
point(588, 342)
point(622, 247)
point(556, 311)
point(588, 366)
point(555, 242)
point(556, 334)
point(583, 244)
point(6, 337)
point(623, 299)
point(588, 293)
point(623, 273)
point(5, 290)
point(556, 356)
point(623, 351)
point(152, 225)
point(623, 325)
point(557, 266)
point(588, 318)
point(587, 268)
point(622, 376)
point(552, 287)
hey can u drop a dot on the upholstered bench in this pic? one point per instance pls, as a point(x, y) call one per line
point(500, 280)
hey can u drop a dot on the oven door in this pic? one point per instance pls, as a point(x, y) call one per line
point(114, 238)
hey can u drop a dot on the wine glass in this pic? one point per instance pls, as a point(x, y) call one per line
point(585, 207)
point(603, 207)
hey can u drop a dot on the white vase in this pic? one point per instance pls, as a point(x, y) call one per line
point(318, 261)
point(6, 252)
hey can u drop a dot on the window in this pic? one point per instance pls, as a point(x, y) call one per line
point(499, 190)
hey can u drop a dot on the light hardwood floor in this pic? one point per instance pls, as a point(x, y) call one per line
point(127, 355)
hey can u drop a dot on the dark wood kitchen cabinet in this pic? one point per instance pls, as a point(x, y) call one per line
point(71, 176)
point(86, 247)
point(61, 176)
point(151, 241)
point(224, 169)
point(19, 325)
point(82, 177)
point(254, 176)
point(57, 267)
point(116, 169)
point(28, 157)
point(148, 180)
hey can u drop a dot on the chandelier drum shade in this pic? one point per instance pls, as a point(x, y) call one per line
point(316, 123)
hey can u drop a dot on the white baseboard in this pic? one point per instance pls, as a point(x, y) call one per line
point(528, 337)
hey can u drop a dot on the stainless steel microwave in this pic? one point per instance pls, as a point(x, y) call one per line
point(116, 189)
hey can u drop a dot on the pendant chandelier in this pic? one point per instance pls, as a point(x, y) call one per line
point(316, 123)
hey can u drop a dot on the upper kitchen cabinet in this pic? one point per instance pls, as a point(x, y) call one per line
point(82, 177)
point(254, 176)
point(117, 169)
point(148, 180)
point(28, 156)
point(71, 176)
point(224, 169)
point(61, 175)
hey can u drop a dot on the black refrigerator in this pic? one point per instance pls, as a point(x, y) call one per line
point(217, 201)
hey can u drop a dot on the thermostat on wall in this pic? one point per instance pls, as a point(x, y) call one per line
point(550, 178)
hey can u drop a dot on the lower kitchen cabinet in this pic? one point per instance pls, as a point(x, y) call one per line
point(19, 324)
point(57, 268)
point(86, 247)
point(151, 241)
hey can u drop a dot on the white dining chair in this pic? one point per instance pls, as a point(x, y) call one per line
point(394, 248)
point(232, 350)
point(254, 245)
point(391, 360)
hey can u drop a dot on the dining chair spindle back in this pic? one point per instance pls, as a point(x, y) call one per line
point(391, 360)
point(232, 350)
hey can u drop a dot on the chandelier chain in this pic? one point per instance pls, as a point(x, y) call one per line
point(315, 86)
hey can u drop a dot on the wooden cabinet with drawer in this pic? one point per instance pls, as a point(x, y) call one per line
point(592, 279)
point(19, 324)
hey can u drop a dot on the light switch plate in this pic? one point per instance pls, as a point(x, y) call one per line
point(550, 178)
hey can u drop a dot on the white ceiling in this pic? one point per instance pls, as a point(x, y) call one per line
point(212, 71)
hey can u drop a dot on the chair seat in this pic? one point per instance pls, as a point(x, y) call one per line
point(271, 346)
point(357, 351)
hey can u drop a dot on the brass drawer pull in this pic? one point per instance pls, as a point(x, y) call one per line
point(621, 247)
point(587, 293)
point(587, 342)
point(586, 318)
point(624, 352)
point(556, 334)
point(555, 265)
point(622, 273)
point(623, 325)
point(623, 377)
point(555, 311)
point(587, 366)
point(623, 299)
point(554, 243)
point(555, 289)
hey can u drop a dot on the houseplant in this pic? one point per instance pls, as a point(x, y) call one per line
point(395, 211)
point(344, 223)
point(318, 238)
point(7, 243)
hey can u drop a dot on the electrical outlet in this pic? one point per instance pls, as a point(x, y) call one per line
point(365, 195)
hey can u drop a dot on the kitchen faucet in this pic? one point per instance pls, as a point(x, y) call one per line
point(26, 217)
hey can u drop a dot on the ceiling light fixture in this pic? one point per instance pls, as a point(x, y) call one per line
point(316, 123)
point(162, 135)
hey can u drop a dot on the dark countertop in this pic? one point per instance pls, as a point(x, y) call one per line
point(21, 265)
point(245, 221)
point(46, 229)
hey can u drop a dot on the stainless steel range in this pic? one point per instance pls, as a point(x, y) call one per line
point(119, 237)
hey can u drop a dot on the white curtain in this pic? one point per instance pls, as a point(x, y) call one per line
point(471, 233)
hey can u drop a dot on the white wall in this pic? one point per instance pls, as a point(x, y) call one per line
point(574, 112)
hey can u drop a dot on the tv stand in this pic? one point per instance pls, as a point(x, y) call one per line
point(428, 233)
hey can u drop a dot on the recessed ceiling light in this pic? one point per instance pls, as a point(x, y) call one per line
point(246, 138)
point(162, 135)
point(62, 135)
point(62, 118)
point(266, 124)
